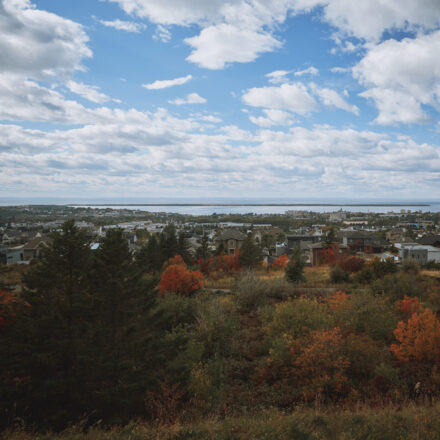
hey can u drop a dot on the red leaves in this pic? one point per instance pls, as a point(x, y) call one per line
point(352, 264)
point(336, 301)
point(178, 279)
point(408, 305)
point(419, 338)
point(281, 262)
point(320, 365)
point(8, 301)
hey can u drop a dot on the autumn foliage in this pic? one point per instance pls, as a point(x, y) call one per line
point(408, 305)
point(352, 264)
point(419, 339)
point(281, 262)
point(336, 301)
point(8, 302)
point(177, 278)
point(320, 365)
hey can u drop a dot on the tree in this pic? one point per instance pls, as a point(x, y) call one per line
point(183, 248)
point(295, 267)
point(250, 253)
point(280, 262)
point(46, 370)
point(125, 361)
point(203, 250)
point(178, 279)
point(419, 339)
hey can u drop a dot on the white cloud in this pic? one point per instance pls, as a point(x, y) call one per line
point(163, 84)
point(191, 98)
point(91, 93)
point(278, 76)
point(340, 69)
point(127, 26)
point(331, 98)
point(401, 77)
point(293, 97)
point(216, 46)
point(273, 117)
point(39, 44)
point(162, 34)
point(309, 71)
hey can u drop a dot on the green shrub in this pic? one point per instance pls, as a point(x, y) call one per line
point(338, 275)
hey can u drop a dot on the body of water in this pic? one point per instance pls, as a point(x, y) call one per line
point(235, 206)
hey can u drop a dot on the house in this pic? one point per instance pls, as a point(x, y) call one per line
point(35, 247)
point(363, 241)
point(430, 240)
point(395, 236)
point(315, 251)
point(14, 255)
point(337, 216)
point(293, 241)
point(418, 252)
point(231, 240)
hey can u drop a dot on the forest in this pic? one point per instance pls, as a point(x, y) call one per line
point(162, 344)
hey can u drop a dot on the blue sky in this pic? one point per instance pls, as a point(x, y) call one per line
point(232, 98)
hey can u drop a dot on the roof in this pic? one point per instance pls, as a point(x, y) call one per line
point(36, 242)
point(231, 234)
point(429, 239)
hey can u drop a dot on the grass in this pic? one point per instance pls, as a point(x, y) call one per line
point(383, 423)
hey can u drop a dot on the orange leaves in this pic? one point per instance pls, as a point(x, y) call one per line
point(419, 339)
point(178, 279)
point(408, 305)
point(281, 262)
point(336, 301)
point(7, 304)
point(352, 264)
point(320, 365)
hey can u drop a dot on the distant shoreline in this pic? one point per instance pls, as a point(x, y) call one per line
point(394, 205)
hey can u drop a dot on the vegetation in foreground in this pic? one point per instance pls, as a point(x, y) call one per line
point(382, 423)
point(102, 339)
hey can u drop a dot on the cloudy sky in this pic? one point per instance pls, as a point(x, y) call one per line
point(233, 98)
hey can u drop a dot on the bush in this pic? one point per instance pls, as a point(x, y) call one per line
point(352, 264)
point(250, 293)
point(410, 266)
point(365, 275)
point(337, 275)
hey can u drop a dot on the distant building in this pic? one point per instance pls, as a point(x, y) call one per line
point(418, 252)
point(430, 240)
point(35, 247)
point(231, 240)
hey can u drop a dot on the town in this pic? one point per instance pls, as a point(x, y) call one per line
point(25, 232)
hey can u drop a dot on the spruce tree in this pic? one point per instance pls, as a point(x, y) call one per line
point(250, 253)
point(295, 267)
point(49, 358)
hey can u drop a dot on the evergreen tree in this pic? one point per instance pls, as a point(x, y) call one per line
point(250, 253)
point(183, 248)
point(124, 331)
point(203, 250)
point(168, 242)
point(49, 357)
point(295, 267)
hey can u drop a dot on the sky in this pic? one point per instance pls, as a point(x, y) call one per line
point(220, 98)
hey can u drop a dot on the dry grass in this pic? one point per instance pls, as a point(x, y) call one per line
point(11, 275)
point(381, 423)
point(317, 276)
point(431, 273)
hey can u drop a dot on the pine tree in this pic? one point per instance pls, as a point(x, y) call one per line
point(183, 248)
point(49, 357)
point(295, 267)
point(250, 253)
point(203, 250)
point(124, 331)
